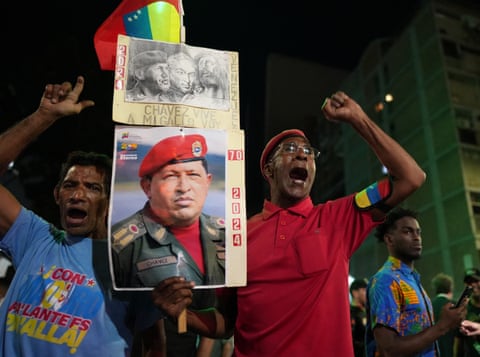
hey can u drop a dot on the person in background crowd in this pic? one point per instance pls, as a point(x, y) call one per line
point(358, 315)
point(470, 328)
point(400, 319)
point(443, 287)
point(468, 344)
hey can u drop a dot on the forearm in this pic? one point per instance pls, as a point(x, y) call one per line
point(410, 345)
point(407, 175)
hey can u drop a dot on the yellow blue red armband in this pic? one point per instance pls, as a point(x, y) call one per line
point(374, 196)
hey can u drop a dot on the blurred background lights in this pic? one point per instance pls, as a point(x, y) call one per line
point(379, 107)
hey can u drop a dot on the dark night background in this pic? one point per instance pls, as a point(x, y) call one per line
point(52, 41)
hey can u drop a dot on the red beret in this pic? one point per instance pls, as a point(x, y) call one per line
point(273, 143)
point(174, 149)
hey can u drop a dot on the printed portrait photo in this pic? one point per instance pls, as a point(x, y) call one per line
point(167, 213)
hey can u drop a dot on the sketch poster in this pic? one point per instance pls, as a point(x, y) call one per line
point(177, 207)
point(173, 84)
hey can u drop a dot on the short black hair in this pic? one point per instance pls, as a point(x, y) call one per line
point(392, 219)
point(102, 162)
point(358, 284)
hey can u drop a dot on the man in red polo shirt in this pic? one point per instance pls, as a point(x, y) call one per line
point(296, 300)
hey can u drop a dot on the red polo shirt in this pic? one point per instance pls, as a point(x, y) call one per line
point(296, 302)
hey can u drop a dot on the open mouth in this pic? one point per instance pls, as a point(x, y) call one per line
point(75, 215)
point(298, 174)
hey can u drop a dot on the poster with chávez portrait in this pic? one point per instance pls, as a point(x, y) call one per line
point(177, 207)
point(173, 84)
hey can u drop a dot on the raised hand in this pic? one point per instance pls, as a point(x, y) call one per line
point(60, 100)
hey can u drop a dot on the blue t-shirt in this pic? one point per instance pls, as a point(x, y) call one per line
point(55, 305)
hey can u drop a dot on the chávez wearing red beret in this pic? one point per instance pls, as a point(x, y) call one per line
point(172, 150)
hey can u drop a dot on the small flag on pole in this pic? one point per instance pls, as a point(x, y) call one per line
point(154, 20)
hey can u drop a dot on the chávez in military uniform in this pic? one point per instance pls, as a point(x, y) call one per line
point(158, 254)
point(170, 236)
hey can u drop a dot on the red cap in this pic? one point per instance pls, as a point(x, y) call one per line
point(174, 149)
point(273, 143)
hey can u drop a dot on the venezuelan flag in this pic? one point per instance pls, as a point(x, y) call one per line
point(154, 20)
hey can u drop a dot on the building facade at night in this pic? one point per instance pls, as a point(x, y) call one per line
point(432, 72)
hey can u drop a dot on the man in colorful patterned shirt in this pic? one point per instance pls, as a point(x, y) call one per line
point(400, 318)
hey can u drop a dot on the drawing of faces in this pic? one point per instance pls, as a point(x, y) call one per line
point(182, 73)
point(208, 70)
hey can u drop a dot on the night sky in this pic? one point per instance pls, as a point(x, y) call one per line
point(52, 41)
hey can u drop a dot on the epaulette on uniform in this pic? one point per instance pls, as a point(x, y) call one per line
point(215, 227)
point(216, 222)
point(126, 232)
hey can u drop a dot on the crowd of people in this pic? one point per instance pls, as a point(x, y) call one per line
point(61, 300)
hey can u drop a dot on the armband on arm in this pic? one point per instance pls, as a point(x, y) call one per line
point(374, 196)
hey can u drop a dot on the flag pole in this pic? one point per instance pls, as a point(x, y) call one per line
point(182, 321)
